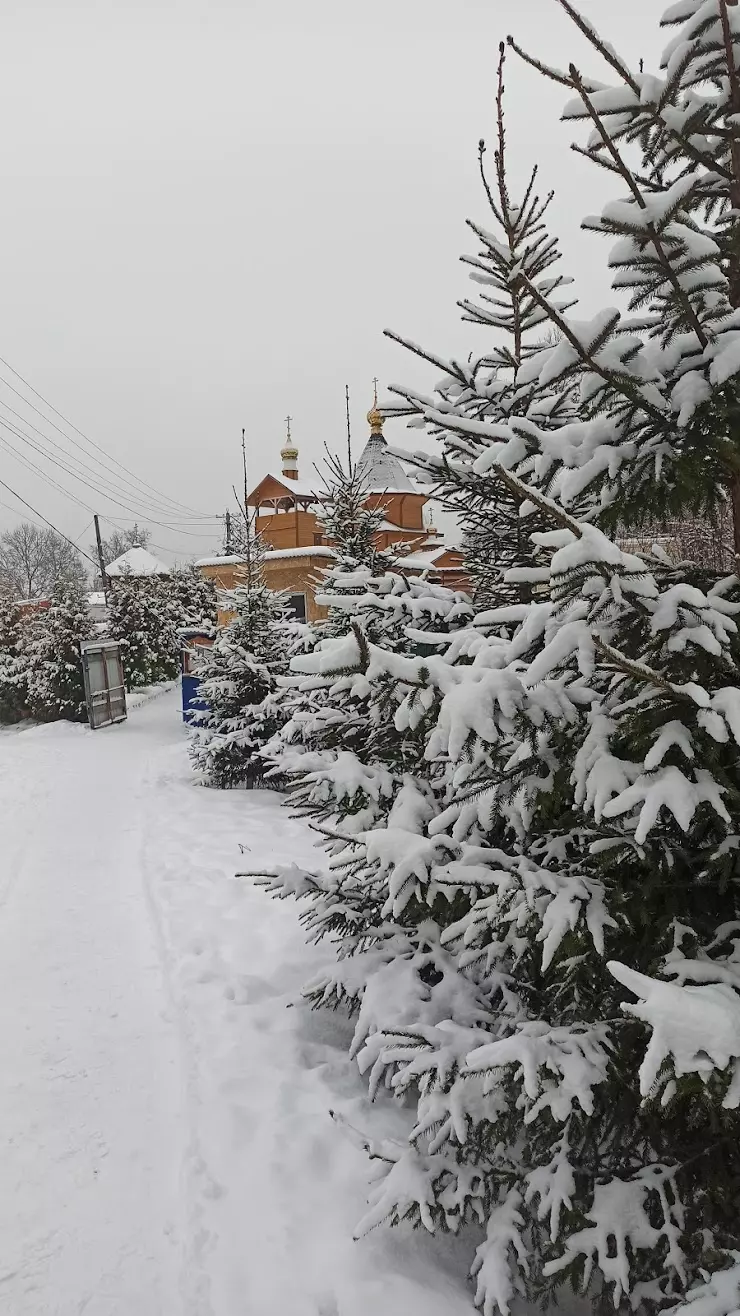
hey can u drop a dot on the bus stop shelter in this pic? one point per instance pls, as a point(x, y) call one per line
point(105, 691)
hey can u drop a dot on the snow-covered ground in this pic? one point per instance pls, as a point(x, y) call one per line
point(167, 1148)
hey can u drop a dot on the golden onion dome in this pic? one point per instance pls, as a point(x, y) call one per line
point(374, 417)
point(375, 421)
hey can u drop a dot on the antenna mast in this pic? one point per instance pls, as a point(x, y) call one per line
point(246, 513)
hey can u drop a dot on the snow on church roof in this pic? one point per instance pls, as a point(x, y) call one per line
point(137, 562)
point(382, 472)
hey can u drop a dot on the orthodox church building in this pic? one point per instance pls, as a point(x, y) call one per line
point(287, 512)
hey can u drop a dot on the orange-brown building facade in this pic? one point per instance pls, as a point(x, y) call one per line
point(287, 513)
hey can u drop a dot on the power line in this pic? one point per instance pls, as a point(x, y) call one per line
point(69, 457)
point(14, 511)
point(173, 525)
point(163, 548)
point(53, 484)
point(51, 526)
point(84, 532)
point(35, 470)
point(12, 429)
point(143, 483)
point(69, 438)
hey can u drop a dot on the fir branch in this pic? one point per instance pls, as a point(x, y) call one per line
point(650, 228)
point(609, 55)
point(609, 377)
point(603, 163)
point(546, 505)
point(449, 367)
point(735, 103)
point(362, 645)
point(639, 671)
point(651, 115)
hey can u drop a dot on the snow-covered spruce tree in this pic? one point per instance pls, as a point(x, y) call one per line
point(495, 388)
point(655, 778)
point(193, 599)
point(143, 617)
point(50, 657)
point(567, 892)
point(341, 756)
point(659, 390)
point(12, 668)
point(238, 680)
point(351, 527)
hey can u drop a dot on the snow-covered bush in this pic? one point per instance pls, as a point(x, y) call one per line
point(12, 670)
point(339, 750)
point(538, 932)
point(144, 616)
point(193, 599)
point(239, 706)
point(50, 660)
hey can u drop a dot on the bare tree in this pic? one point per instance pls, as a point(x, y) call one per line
point(34, 559)
point(706, 541)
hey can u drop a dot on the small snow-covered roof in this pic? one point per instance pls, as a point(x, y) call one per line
point(271, 554)
point(137, 562)
point(381, 471)
point(426, 558)
point(96, 599)
point(316, 550)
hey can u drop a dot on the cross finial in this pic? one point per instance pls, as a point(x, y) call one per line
point(375, 391)
point(288, 419)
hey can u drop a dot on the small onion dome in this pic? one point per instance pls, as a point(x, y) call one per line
point(375, 420)
point(289, 452)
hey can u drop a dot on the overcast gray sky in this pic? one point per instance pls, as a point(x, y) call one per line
point(211, 210)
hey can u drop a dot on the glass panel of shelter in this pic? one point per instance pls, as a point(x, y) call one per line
point(96, 672)
point(116, 691)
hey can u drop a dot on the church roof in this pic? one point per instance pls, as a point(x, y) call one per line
point(305, 489)
point(137, 562)
point(382, 472)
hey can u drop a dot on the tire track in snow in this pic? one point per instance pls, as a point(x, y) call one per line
point(90, 1093)
point(196, 1182)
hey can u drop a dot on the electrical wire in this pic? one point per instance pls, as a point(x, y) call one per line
point(91, 442)
point(49, 523)
point(162, 548)
point(62, 466)
point(89, 526)
point(48, 479)
point(53, 484)
point(101, 486)
point(14, 511)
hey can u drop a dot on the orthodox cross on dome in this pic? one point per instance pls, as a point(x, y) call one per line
point(289, 449)
point(375, 419)
point(289, 453)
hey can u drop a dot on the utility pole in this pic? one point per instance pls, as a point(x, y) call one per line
point(101, 560)
point(228, 544)
point(349, 432)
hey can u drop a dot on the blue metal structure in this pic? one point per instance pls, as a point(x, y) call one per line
point(194, 643)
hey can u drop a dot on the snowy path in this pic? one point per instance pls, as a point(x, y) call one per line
point(166, 1143)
